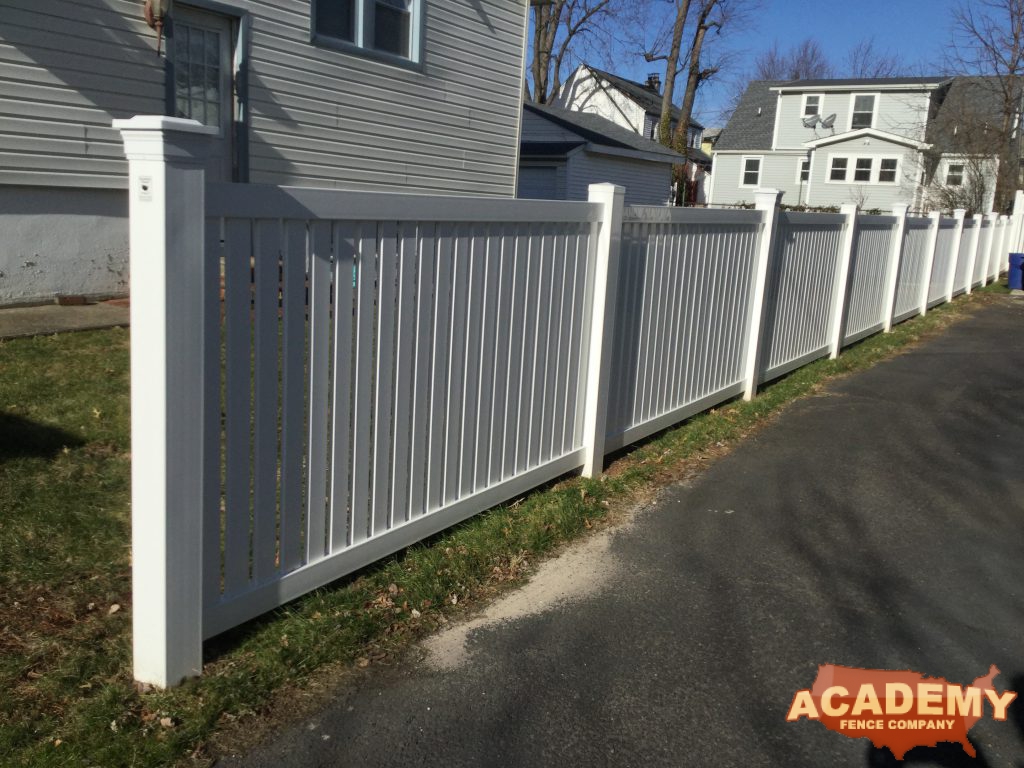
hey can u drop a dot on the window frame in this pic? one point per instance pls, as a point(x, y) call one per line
point(857, 163)
point(876, 161)
point(949, 171)
point(803, 104)
point(832, 168)
point(874, 110)
point(365, 11)
point(801, 170)
point(895, 171)
point(743, 171)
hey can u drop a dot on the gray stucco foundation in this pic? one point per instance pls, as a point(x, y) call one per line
point(58, 241)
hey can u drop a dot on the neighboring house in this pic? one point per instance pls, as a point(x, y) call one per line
point(563, 152)
point(636, 106)
point(709, 139)
point(829, 142)
point(400, 95)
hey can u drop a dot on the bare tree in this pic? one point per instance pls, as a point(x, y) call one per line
point(864, 60)
point(671, 59)
point(711, 15)
point(988, 40)
point(558, 27)
point(804, 61)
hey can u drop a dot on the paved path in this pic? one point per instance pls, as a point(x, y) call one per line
point(880, 525)
point(53, 318)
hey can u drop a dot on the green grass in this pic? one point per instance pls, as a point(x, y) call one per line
point(64, 560)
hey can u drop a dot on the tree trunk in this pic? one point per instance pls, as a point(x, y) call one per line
point(671, 67)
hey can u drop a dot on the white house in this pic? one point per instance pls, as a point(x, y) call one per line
point(562, 152)
point(633, 105)
point(413, 95)
point(829, 142)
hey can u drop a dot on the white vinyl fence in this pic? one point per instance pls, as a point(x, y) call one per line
point(321, 378)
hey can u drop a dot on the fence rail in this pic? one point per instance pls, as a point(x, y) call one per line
point(321, 378)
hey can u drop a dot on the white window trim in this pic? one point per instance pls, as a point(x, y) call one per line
point(899, 169)
point(949, 166)
point(799, 168)
point(828, 169)
point(743, 170)
point(803, 104)
point(874, 111)
point(364, 16)
point(876, 169)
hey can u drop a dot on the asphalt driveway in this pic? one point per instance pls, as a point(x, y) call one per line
point(879, 525)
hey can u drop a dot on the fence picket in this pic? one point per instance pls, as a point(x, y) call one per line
point(320, 269)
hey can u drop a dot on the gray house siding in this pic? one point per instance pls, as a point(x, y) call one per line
point(902, 113)
point(315, 116)
point(777, 172)
point(881, 196)
point(646, 183)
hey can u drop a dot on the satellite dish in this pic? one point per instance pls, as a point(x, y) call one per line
point(810, 122)
point(829, 121)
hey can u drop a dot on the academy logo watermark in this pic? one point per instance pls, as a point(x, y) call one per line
point(899, 710)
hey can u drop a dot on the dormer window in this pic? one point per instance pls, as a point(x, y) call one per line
point(863, 111)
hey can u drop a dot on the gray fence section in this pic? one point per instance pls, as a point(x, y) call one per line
point(911, 278)
point(868, 274)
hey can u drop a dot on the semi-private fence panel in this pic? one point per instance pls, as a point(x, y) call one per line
point(962, 274)
point(869, 266)
point(946, 250)
point(336, 375)
point(379, 371)
point(911, 279)
point(800, 290)
point(683, 307)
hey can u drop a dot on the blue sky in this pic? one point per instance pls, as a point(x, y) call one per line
point(917, 30)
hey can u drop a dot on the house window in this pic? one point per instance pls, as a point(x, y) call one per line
point(887, 170)
point(804, 171)
point(812, 105)
point(387, 27)
point(863, 111)
point(955, 176)
point(751, 172)
point(838, 172)
point(862, 171)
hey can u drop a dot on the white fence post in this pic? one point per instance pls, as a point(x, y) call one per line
point(981, 248)
point(166, 181)
point(766, 201)
point(849, 210)
point(895, 255)
point(605, 268)
point(929, 258)
point(1016, 230)
point(959, 214)
point(1002, 251)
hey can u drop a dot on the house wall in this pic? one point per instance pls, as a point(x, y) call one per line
point(39, 222)
point(778, 171)
point(646, 183)
point(869, 195)
point(900, 112)
point(583, 93)
point(533, 187)
point(317, 116)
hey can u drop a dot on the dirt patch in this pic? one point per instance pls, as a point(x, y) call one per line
point(581, 571)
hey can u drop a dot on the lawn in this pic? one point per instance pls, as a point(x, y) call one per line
point(65, 563)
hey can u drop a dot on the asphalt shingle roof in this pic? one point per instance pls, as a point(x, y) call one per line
point(753, 123)
point(968, 105)
point(648, 99)
point(598, 130)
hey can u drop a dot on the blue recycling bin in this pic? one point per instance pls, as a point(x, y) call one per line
point(1016, 276)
